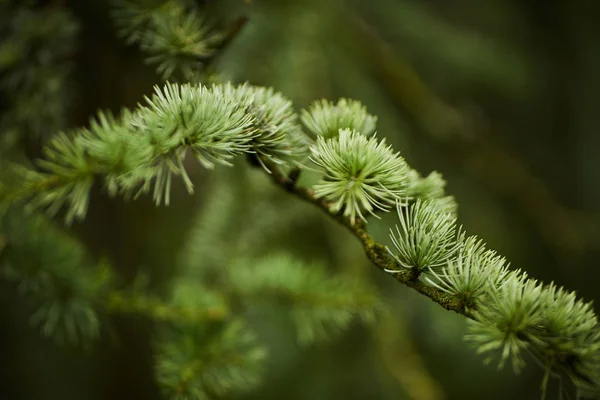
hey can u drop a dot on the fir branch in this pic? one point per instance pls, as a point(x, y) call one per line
point(174, 35)
point(208, 360)
point(139, 151)
point(59, 281)
point(375, 252)
point(143, 149)
point(321, 306)
point(69, 293)
point(124, 302)
point(507, 312)
point(35, 49)
point(511, 313)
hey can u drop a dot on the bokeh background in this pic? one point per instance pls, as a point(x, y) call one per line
point(500, 96)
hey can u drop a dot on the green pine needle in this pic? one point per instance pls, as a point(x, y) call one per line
point(360, 174)
point(139, 151)
point(207, 360)
point(213, 125)
point(570, 337)
point(431, 188)
point(279, 138)
point(172, 33)
point(325, 118)
point(471, 274)
point(426, 237)
point(508, 321)
point(52, 271)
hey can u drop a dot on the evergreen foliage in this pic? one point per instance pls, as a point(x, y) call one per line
point(216, 123)
point(509, 323)
point(430, 188)
point(360, 174)
point(426, 237)
point(208, 361)
point(205, 344)
point(53, 272)
point(471, 273)
point(511, 312)
point(324, 118)
point(279, 137)
point(172, 33)
point(143, 149)
point(322, 307)
point(34, 72)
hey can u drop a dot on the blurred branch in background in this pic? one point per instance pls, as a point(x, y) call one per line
point(403, 361)
point(502, 173)
point(35, 73)
point(174, 35)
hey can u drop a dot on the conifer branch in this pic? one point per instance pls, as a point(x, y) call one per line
point(174, 35)
point(377, 253)
point(122, 302)
point(35, 68)
point(321, 306)
point(508, 311)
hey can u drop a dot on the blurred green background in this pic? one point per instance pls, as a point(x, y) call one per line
point(501, 97)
